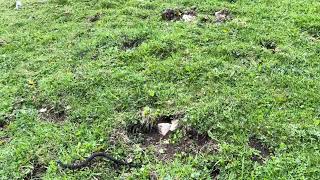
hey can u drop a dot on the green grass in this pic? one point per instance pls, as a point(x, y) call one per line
point(221, 75)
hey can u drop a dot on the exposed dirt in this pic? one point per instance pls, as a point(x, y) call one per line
point(172, 14)
point(51, 113)
point(206, 19)
point(149, 126)
point(220, 16)
point(215, 172)
point(313, 31)
point(153, 176)
point(169, 118)
point(94, 18)
point(36, 172)
point(264, 150)
point(192, 143)
point(2, 124)
point(4, 140)
point(223, 15)
point(128, 44)
point(269, 44)
point(179, 14)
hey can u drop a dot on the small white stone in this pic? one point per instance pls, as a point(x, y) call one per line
point(161, 151)
point(68, 107)
point(164, 128)
point(42, 110)
point(174, 125)
point(129, 160)
point(188, 18)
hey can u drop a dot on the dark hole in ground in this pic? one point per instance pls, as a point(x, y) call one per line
point(170, 117)
point(94, 18)
point(192, 11)
point(264, 150)
point(150, 127)
point(205, 19)
point(57, 113)
point(128, 44)
point(172, 14)
point(215, 172)
point(95, 56)
point(200, 139)
point(192, 141)
point(177, 14)
point(269, 44)
point(4, 140)
point(153, 176)
point(36, 172)
point(3, 123)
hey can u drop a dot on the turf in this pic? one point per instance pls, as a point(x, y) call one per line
point(75, 73)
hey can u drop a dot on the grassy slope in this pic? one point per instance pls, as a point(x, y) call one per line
point(220, 75)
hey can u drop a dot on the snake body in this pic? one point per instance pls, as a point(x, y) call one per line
point(87, 161)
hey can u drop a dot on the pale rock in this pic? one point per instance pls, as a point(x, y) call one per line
point(164, 128)
point(42, 110)
point(18, 4)
point(174, 125)
point(188, 18)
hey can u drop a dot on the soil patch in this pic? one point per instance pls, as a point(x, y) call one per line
point(51, 113)
point(153, 176)
point(128, 44)
point(215, 172)
point(179, 14)
point(4, 140)
point(36, 172)
point(172, 14)
point(269, 44)
point(2, 124)
point(223, 15)
point(94, 18)
point(312, 30)
point(148, 125)
point(264, 150)
point(191, 143)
